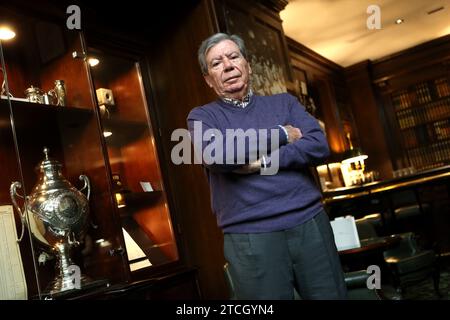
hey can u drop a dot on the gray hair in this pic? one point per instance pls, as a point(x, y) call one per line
point(212, 41)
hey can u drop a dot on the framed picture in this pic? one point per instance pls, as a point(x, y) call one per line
point(265, 49)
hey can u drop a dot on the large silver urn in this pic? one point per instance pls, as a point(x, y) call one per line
point(56, 214)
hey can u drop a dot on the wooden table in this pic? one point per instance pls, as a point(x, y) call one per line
point(373, 244)
point(380, 197)
point(370, 253)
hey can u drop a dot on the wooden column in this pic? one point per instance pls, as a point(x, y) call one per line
point(368, 118)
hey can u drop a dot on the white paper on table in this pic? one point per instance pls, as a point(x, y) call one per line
point(13, 285)
point(345, 233)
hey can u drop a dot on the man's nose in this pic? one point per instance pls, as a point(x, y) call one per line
point(227, 65)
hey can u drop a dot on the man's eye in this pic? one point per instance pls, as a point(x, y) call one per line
point(215, 64)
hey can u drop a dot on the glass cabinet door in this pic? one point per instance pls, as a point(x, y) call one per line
point(137, 182)
point(54, 159)
point(16, 280)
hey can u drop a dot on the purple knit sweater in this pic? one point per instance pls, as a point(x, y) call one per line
point(264, 203)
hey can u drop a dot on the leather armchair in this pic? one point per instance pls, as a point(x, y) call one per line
point(357, 289)
point(410, 263)
point(407, 261)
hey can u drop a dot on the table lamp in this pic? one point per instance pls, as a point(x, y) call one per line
point(353, 164)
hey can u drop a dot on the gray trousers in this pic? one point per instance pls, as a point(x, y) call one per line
point(270, 265)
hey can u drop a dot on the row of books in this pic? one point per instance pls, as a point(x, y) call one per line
point(433, 111)
point(442, 87)
point(435, 154)
point(410, 139)
point(419, 94)
point(430, 133)
point(442, 129)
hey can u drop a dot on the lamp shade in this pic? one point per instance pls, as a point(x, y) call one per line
point(354, 155)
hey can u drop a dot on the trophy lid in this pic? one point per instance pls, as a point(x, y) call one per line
point(32, 90)
point(48, 162)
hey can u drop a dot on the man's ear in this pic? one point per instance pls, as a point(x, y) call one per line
point(208, 80)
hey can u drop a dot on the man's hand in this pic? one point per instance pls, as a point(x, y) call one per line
point(252, 167)
point(294, 133)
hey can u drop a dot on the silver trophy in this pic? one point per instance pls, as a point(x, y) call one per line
point(60, 93)
point(56, 214)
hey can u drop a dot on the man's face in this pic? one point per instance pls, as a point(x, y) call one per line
point(228, 71)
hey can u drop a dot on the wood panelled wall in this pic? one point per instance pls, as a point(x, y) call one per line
point(178, 87)
point(325, 81)
point(368, 80)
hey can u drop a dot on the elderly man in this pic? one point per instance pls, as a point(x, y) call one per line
point(277, 236)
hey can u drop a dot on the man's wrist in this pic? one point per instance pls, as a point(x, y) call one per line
point(285, 132)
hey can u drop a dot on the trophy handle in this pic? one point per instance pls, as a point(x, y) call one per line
point(87, 184)
point(13, 193)
point(72, 240)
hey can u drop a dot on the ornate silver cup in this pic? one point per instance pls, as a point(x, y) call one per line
point(56, 214)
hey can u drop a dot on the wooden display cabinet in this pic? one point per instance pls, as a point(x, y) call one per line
point(131, 235)
point(144, 213)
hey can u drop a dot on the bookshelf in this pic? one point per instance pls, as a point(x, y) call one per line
point(422, 116)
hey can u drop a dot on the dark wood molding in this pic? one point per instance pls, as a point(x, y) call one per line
point(312, 56)
point(419, 57)
point(275, 5)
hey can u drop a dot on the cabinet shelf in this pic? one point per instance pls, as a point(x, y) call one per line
point(75, 114)
point(136, 200)
point(149, 247)
point(123, 131)
point(44, 123)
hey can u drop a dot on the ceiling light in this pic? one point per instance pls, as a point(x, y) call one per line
point(107, 134)
point(6, 33)
point(399, 21)
point(93, 62)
